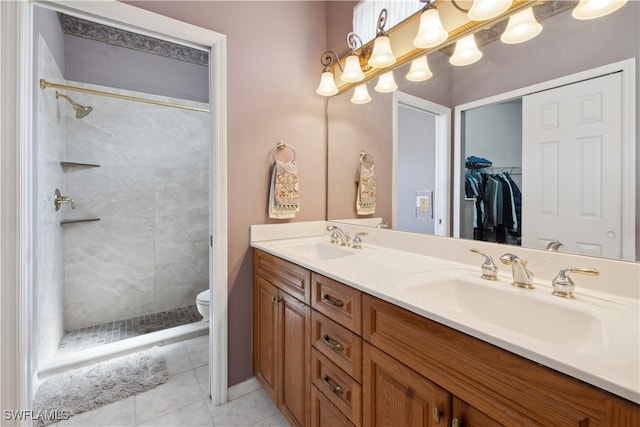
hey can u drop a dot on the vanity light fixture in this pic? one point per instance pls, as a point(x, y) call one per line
point(431, 33)
point(361, 94)
point(466, 51)
point(521, 27)
point(386, 83)
point(382, 56)
point(591, 9)
point(352, 71)
point(327, 85)
point(483, 10)
point(419, 70)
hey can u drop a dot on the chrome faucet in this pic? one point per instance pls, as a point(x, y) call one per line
point(522, 277)
point(382, 224)
point(339, 236)
point(554, 246)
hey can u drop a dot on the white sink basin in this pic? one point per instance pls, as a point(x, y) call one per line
point(531, 313)
point(316, 251)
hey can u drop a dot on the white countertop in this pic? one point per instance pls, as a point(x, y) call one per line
point(612, 362)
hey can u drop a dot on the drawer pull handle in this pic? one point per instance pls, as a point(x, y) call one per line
point(276, 300)
point(334, 388)
point(332, 301)
point(437, 413)
point(332, 344)
point(456, 423)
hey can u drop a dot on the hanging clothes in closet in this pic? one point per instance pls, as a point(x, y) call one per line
point(497, 203)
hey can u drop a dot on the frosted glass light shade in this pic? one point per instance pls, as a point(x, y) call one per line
point(352, 72)
point(419, 70)
point(521, 27)
point(386, 83)
point(466, 52)
point(327, 85)
point(382, 56)
point(591, 9)
point(431, 32)
point(361, 94)
point(481, 10)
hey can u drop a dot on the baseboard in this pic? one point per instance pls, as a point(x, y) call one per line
point(243, 388)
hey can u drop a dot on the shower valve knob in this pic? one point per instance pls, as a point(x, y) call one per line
point(59, 199)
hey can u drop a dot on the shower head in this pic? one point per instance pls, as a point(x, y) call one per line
point(81, 111)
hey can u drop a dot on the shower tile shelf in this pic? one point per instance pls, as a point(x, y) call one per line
point(76, 164)
point(73, 221)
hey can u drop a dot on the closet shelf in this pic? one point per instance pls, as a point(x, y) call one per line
point(73, 221)
point(76, 164)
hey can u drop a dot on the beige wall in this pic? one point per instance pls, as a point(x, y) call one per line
point(273, 66)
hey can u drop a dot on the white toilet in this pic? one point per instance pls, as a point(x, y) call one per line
point(202, 302)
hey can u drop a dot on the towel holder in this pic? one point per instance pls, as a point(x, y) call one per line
point(281, 145)
point(367, 159)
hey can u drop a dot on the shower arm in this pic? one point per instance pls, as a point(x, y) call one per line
point(45, 84)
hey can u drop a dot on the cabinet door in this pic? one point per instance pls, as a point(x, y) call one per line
point(465, 415)
point(295, 336)
point(265, 335)
point(395, 395)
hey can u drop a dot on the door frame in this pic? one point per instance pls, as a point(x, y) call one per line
point(628, 69)
point(441, 202)
point(17, 369)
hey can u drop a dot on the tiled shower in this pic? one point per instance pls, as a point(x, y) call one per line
point(142, 182)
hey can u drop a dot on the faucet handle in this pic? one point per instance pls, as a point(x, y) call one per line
point(357, 241)
point(563, 286)
point(489, 268)
point(335, 238)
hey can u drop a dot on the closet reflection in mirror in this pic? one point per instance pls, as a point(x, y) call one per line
point(565, 47)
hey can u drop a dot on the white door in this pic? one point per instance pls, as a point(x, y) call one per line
point(416, 171)
point(572, 167)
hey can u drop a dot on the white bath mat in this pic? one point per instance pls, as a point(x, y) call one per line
point(88, 388)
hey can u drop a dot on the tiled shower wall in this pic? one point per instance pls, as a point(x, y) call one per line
point(149, 251)
point(49, 254)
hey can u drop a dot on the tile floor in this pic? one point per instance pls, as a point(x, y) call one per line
point(184, 399)
point(80, 339)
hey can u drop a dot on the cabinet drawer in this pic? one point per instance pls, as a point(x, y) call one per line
point(324, 413)
point(289, 277)
point(342, 390)
point(339, 302)
point(340, 345)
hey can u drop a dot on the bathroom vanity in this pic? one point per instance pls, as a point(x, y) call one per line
point(380, 336)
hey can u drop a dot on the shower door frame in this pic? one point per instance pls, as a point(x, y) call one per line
point(18, 369)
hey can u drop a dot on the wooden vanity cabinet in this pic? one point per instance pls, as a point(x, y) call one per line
point(330, 355)
point(281, 334)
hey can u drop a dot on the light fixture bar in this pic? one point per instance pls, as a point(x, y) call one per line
point(410, 25)
point(45, 84)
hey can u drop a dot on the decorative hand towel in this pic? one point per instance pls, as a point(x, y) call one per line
point(284, 198)
point(366, 180)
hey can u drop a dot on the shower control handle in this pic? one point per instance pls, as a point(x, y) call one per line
point(59, 199)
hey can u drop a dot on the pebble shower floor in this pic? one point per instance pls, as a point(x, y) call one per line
point(92, 336)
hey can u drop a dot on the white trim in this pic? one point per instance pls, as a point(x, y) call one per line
point(442, 202)
point(15, 215)
point(218, 282)
point(16, 193)
point(243, 388)
point(628, 69)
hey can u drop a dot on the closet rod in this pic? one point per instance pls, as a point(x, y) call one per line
point(45, 84)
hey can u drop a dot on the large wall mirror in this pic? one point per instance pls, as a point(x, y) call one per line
point(477, 97)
